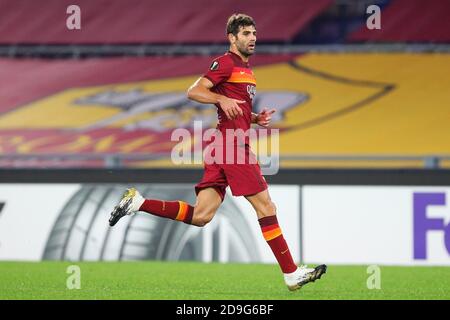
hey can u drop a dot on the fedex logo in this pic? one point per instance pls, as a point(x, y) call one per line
point(423, 224)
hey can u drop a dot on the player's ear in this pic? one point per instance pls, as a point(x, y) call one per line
point(231, 38)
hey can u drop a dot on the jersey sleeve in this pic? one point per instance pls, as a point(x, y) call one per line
point(219, 70)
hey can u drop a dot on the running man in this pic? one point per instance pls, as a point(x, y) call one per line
point(230, 85)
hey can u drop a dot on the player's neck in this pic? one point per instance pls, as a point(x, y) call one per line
point(236, 52)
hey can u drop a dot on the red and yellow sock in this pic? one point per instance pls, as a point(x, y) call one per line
point(274, 237)
point(175, 210)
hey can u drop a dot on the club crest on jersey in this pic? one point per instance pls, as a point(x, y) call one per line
point(251, 89)
point(214, 66)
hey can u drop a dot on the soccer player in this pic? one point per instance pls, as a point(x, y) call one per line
point(230, 85)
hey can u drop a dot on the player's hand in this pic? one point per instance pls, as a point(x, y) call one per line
point(263, 118)
point(231, 107)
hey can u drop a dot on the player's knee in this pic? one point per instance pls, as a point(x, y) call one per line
point(202, 217)
point(203, 220)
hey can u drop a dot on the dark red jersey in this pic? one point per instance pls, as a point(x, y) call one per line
point(233, 78)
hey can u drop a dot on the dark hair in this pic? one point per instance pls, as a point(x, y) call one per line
point(238, 20)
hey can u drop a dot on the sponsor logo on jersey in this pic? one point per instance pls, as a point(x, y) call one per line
point(214, 66)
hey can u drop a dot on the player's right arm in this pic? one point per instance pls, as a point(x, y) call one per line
point(201, 92)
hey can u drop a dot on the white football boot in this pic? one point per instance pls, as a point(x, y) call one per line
point(129, 204)
point(303, 275)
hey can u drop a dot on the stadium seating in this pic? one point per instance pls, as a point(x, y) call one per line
point(157, 21)
point(410, 21)
point(334, 110)
point(328, 105)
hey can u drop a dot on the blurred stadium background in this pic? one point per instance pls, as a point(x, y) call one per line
point(364, 119)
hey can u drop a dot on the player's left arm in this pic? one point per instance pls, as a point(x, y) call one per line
point(263, 118)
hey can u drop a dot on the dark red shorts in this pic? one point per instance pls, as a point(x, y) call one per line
point(244, 179)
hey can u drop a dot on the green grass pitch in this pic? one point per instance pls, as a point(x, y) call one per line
point(202, 281)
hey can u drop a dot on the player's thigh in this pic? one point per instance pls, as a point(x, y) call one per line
point(262, 203)
point(245, 179)
point(208, 201)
